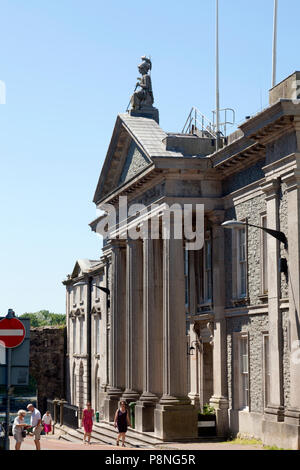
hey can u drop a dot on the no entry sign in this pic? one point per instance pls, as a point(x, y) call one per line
point(12, 332)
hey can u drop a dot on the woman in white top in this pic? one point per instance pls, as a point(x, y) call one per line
point(47, 421)
point(18, 427)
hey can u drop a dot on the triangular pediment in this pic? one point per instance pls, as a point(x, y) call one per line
point(125, 159)
point(83, 266)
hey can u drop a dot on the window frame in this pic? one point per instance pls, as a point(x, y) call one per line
point(242, 263)
point(244, 338)
point(74, 327)
point(204, 275)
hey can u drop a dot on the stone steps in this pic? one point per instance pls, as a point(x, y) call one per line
point(105, 433)
point(133, 437)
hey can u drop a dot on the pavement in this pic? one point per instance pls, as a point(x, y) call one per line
point(53, 443)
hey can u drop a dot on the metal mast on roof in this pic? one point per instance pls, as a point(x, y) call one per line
point(274, 67)
point(217, 78)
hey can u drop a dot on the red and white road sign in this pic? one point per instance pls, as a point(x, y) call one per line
point(12, 332)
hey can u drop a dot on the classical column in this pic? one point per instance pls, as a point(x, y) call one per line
point(134, 320)
point(274, 409)
point(219, 399)
point(152, 335)
point(174, 416)
point(292, 416)
point(117, 331)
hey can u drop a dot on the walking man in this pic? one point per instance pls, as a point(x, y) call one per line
point(36, 423)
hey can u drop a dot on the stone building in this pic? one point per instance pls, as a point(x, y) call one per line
point(184, 328)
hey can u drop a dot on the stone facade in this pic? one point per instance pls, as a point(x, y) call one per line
point(47, 362)
point(228, 302)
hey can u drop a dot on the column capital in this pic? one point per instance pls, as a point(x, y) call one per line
point(271, 188)
point(292, 180)
point(216, 217)
point(132, 242)
point(118, 244)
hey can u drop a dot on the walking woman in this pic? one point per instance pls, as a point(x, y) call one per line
point(87, 422)
point(47, 422)
point(122, 422)
point(18, 429)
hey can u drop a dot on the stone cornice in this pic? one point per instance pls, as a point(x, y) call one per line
point(269, 124)
point(271, 188)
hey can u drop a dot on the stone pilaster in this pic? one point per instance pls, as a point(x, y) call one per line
point(134, 320)
point(117, 331)
point(152, 335)
point(274, 409)
point(219, 399)
point(174, 416)
point(292, 415)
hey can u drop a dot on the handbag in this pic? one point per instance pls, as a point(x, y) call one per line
point(24, 433)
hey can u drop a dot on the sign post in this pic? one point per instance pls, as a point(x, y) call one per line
point(12, 334)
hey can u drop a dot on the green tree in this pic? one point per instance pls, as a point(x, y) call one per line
point(45, 318)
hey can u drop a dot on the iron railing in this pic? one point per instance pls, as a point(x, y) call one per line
point(198, 123)
point(71, 416)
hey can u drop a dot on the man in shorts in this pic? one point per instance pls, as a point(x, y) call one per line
point(36, 423)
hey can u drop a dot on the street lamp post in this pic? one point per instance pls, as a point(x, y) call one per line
point(235, 224)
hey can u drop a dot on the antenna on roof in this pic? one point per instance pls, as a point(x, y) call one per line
point(274, 66)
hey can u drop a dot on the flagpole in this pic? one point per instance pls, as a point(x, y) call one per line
point(217, 77)
point(274, 67)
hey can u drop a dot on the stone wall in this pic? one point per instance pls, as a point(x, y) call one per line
point(47, 362)
point(255, 326)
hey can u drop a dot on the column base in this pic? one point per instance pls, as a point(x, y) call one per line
point(111, 404)
point(144, 416)
point(173, 422)
point(282, 435)
point(130, 395)
point(292, 416)
point(274, 413)
point(221, 406)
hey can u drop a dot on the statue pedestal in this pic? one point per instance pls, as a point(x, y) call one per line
point(147, 112)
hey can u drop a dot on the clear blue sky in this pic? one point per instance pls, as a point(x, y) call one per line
point(70, 67)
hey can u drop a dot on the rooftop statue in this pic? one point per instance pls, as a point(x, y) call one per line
point(143, 95)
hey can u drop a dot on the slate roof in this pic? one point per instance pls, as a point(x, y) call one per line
point(149, 135)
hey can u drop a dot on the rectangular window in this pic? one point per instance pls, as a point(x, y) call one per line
point(81, 291)
point(244, 373)
point(74, 336)
point(81, 336)
point(97, 342)
point(203, 272)
point(96, 288)
point(208, 271)
point(242, 263)
point(74, 295)
point(266, 363)
point(264, 256)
